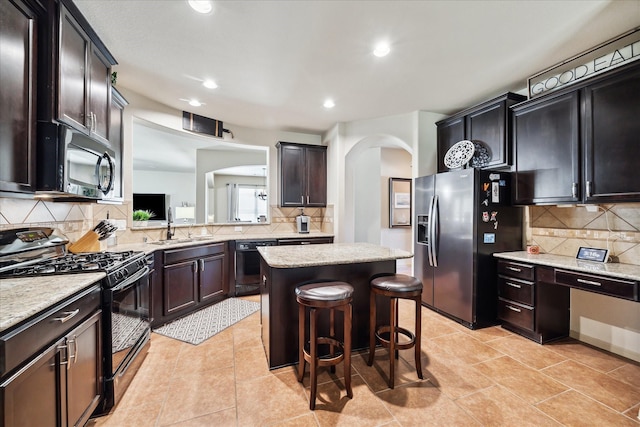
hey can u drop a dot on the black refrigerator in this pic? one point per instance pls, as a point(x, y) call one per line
point(462, 218)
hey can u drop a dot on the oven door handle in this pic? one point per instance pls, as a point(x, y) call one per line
point(131, 280)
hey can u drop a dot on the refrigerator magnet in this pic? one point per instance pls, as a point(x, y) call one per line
point(485, 216)
point(495, 192)
point(489, 238)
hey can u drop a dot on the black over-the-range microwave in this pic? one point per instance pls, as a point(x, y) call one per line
point(70, 165)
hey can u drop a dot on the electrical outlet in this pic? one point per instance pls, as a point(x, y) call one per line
point(237, 228)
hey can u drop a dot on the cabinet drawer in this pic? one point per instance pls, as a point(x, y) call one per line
point(627, 289)
point(21, 343)
point(516, 269)
point(516, 314)
point(172, 256)
point(515, 290)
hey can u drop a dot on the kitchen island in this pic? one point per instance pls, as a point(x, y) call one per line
point(282, 268)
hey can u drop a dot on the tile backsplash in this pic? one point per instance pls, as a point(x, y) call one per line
point(562, 230)
point(74, 219)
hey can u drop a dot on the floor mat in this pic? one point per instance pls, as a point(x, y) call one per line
point(205, 323)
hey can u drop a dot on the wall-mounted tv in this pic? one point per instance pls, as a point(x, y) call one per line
point(153, 202)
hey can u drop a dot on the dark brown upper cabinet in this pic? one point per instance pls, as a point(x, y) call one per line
point(84, 79)
point(546, 150)
point(302, 171)
point(18, 28)
point(116, 141)
point(487, 124)
point(611, 135)
point(580, 144)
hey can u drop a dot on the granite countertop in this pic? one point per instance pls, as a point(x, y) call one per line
point(328, 254)
point(622, 271)
point(24, 297)
point(150, 247)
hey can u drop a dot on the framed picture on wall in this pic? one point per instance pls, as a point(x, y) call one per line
point(399, 202)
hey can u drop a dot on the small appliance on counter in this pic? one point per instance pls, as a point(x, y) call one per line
point(303, 222)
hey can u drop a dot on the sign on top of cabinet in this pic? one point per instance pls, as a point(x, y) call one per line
point(84, 76)
point(302, 171)
point(580, 144)
point(488, 125)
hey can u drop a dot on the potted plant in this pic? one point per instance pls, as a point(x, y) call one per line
point(140, 217)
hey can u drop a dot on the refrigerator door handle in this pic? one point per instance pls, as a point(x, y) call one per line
point(435, 214)
point(429, 234)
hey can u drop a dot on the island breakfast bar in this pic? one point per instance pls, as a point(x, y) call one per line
point(282, 268)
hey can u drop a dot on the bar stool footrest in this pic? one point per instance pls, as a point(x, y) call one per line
point(327, 360)
point(402, 331)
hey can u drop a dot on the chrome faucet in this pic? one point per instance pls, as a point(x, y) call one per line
point(169, 221)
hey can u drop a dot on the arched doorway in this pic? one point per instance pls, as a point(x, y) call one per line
point(368, 165)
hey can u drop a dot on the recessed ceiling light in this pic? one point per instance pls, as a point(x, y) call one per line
point(201, 6)
point(382, 49)
point(195, 103)
point(209, 84)
point(329, 103)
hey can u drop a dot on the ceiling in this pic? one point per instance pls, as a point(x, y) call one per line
point(276, 62)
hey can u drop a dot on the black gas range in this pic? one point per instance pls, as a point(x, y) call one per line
point(37, 251)
point(32, 252)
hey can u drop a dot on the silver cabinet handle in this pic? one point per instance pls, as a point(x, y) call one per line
point(517, 310)
point(517, 270)
point(67, 315)
point(588, 188)
point(574, 190)
point(302, 199)
point(73, 356)
point(515, 285)
point(201, 265)
point(589, 282)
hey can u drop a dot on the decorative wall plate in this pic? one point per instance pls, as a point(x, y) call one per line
point(459, 154)
point(481, 156)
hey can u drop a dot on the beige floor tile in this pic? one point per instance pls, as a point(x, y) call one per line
point(467, 348)
point(526, 351)
point(487, 334)
point(633, 413)
point(334, 408)
point(307, 420)
point(628, 373)
point(451, 375)
point(575, 409)
point(250, 362)
point(526, 383)
point(433, 327)
point(597, 359)
point(377, 375)
point(198, 394)
point(207, 355)
point(472, 377)
point(496, 406)
point(270, 399)
point(224, 418)
point(601, 387)
point(422, 404)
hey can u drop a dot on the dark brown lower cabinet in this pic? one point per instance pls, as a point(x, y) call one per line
point(192, 277)
point(530, 303)
point(60, 386)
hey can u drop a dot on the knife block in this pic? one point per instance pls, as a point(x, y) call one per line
point(87, 243)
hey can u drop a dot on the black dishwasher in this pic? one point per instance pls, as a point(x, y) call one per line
point(248, 265)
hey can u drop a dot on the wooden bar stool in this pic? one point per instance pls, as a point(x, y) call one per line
point(317, 296)
point(395, 286)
